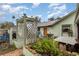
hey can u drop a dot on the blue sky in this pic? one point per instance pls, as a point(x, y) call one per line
point(43, 10)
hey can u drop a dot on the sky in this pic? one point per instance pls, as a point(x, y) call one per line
point(43, 10)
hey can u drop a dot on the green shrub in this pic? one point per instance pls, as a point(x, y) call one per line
point(46, 46)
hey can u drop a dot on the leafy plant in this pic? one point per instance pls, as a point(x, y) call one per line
point(46, 46)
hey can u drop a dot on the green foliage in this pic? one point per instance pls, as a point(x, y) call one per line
point(6, 25)
point(14, 46)
point(47, 46)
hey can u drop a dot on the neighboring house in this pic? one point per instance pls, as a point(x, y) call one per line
point(65, 26)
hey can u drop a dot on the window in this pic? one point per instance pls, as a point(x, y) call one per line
point(67, 29)
point(14, 35)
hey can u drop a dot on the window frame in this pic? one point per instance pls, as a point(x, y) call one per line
point(64, 26)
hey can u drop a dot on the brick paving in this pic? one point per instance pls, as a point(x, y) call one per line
point(16, 52)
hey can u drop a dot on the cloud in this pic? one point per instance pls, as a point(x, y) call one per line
point(39, 16)
point(34, 5)
point(30, 9)
point(62, 7)
point(54, 14)
point(9, 8)
point(5, 7)
point(58, 10)
point(48, 12)
point(53, 4)
point(18, 8)
point(2, 14)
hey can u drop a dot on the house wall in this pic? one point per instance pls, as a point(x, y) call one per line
point(57, 28)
